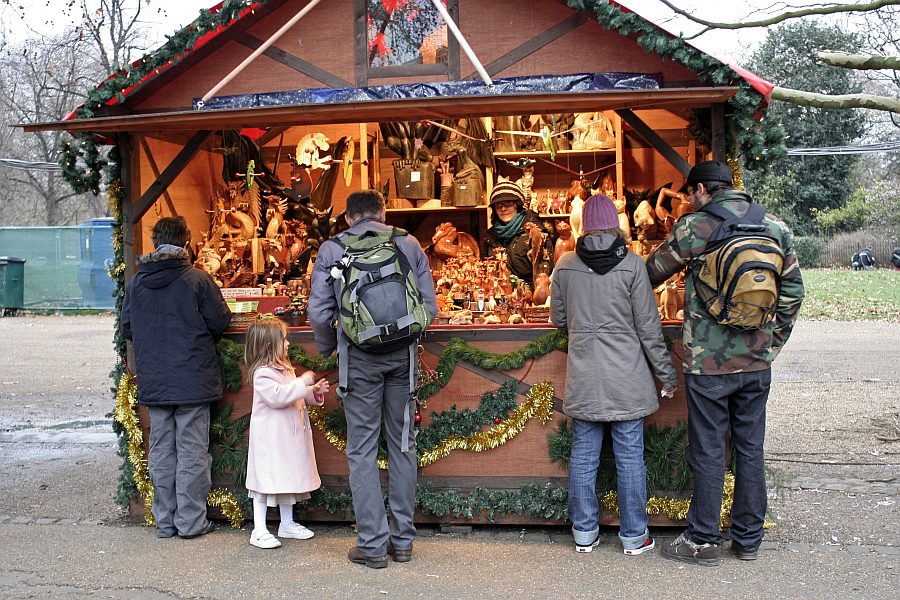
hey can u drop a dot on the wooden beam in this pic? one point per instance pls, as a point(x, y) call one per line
point(717, 135)
point(394, 110)
point(270, 135)
point(155, 169)
point(654, 140)
point(534, 44)
point(361, 30)
point(168, 176)
point(295, 63)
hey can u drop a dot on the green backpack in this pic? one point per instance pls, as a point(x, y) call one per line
point(381, 307)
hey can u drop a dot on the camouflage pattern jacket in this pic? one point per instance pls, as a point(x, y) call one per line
point(711, 348)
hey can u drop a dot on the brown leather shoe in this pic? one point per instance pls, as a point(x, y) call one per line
point(399, 555)
point(373, 562)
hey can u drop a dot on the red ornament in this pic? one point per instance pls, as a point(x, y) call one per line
point(417, 418)
point(497, 419)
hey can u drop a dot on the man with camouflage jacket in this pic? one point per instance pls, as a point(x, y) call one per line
point(727, 375)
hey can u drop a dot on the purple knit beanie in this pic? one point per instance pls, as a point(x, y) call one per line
point(599, 212)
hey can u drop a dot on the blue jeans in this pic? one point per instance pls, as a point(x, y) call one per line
point(715, 403)
point(584, 508)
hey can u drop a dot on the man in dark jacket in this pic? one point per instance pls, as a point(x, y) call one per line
point(727, 373)
point(173, 314)
point(378, 387)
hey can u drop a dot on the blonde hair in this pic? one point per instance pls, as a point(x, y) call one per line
point(265, 346)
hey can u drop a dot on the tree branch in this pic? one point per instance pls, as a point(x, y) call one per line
point(837, 58)
point(774, 20)
point(845, 101)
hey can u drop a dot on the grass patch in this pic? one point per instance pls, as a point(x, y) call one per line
point(846, 295)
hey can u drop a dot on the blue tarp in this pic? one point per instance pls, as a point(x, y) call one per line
point(585, 82)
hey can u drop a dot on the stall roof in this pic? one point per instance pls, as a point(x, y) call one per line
point(392, 110)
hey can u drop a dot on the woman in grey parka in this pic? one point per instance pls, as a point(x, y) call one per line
point(602, 296)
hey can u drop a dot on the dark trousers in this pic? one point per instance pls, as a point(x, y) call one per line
point(716, 402)
point(179, 465)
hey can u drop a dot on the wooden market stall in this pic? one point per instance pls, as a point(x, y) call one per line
point(342, 81)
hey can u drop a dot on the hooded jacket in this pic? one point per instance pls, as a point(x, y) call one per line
point(174, 313)
point(614, 331)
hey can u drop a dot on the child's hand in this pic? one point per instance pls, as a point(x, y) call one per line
point(319, 390)
point(309, 378)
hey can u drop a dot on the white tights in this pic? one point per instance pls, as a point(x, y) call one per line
point(260, 509)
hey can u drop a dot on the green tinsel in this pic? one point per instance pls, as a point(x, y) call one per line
point(319, 364)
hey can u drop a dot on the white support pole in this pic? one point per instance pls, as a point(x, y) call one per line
point(438, 4)
point(260, 50)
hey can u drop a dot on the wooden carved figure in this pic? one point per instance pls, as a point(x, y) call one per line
point(668, 301)
point(644, 219)
point(526, 182)
point(565, 241)
point(541, 289)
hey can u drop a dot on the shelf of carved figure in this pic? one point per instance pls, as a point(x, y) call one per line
point(554, 216)
point(434, 209)
point(543, 153)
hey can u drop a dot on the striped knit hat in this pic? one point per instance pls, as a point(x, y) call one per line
point(507, 190)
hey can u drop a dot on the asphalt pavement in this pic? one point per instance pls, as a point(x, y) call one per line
point(833, 461)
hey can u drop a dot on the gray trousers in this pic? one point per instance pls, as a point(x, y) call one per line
point(180, 467)
point(378, 390)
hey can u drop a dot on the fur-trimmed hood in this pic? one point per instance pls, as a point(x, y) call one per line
point(161, 267)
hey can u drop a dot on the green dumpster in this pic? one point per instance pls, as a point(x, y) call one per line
point(12, 284)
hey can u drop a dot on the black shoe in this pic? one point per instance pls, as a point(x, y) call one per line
point(399, 555)
point(744, 553)
point(685, 550)
point(373, 562)
point(209, 528)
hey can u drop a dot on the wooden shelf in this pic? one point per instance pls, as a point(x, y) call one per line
point(552, 216)
point(436, 209)
point(546, 153)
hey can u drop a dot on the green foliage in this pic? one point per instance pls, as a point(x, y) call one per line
point(559, 445)
point(787, 57)
point(228, 443)
point(231, 354)
point(463, 423)
point(845, 295)
point(314, 363)
point(542, 501)
point(855, 214)
point(665, 453)
point(809, 250)
point(458, 349)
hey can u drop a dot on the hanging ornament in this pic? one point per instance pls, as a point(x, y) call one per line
point(417, 418)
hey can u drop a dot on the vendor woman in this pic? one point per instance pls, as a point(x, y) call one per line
point(512, 231)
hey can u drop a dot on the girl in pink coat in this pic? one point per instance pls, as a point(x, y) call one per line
point(281, 462)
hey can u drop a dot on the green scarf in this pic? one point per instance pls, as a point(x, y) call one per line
point(507, 231)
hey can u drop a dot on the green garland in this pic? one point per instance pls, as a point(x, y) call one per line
point(540, 501)
point(761, 141)
point(458, 349)
point(228, 446)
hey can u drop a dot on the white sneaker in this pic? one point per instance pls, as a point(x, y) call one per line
point(589, 547)
point(262, 538)
point(294, 531)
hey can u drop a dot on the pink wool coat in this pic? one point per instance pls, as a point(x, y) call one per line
point(281, 458)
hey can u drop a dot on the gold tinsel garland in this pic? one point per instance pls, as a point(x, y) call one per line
point(675, 508)
point(538, 403)
point(126, 416)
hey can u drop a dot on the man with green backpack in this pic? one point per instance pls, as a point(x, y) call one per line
point(371, 298)
point(743, 290)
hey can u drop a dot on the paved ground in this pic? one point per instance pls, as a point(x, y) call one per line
point(833, 461)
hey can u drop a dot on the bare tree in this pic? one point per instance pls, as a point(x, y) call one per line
point(42, 81)
point(881, 24)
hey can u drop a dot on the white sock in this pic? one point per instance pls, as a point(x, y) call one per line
point(287, 513)
point(259, 514)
